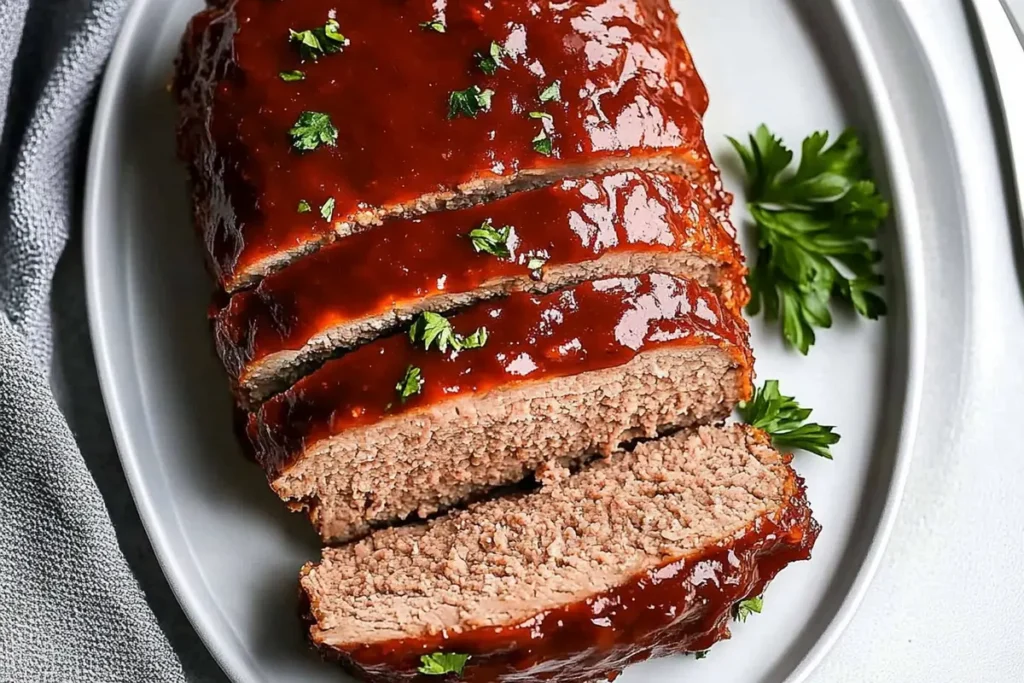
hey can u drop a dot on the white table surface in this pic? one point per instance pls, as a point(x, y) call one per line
point(948, 602)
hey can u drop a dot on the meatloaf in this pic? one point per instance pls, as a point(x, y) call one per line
point(301, 121)
point(638, 556)
point(618, 224)
point(559, 377)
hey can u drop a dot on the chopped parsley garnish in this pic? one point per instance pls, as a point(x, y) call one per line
point(441, 663)
point(541, 115)
point(542, 143)
point(782, 418)
point(292, 76)
point(316, 42)
point(469, 102)
point(536, 263)
point(815, 227)
point(312, 129)
point(489, 240)
point(304, 206)
point(552, 93)
point(700, 655)
point(434, 25)
point(327, 210)
point(490, 62)
point(431, 328)
point(744, 608)
point(411, 384)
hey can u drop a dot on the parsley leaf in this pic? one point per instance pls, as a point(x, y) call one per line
point(744, 608)
point(541, 115)
point(312, 129)
point(782, 418)
point(292, 76)
point(441, 663)
point(536, 263)
point(815, 227)
point(411, 384)
point(469, 102)
point(434, 25)
point(327, 210)
point(543, 144)
point(701, 654)
point(489, 240)
point(304, 206)
point(490, 63)
point(552, 93)
point(431, 327)
point(316, 42)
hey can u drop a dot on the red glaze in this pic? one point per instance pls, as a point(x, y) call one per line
point(685, 605)
point(407, 262)
point(628, 89)
point(591, 327)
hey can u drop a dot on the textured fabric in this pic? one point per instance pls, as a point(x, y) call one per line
point(70, 606)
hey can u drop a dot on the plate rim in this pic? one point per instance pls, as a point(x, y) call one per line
point(239, 668)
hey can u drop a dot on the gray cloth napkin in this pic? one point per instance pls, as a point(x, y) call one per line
point(70, 607)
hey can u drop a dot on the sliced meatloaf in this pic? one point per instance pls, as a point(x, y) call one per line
point(638, 556)
point(368, 110)
point(620, 224)
point(560, 377)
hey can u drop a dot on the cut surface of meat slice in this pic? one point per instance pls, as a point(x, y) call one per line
point(641, 555)
point(561, 377)
point(395, 117)
point(620, 224)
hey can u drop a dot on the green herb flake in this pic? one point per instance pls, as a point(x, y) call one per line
point(304, 206)
point(543, 115)
point(782, 418)
point(543, 144)
point(477, 340)
point(815, 231)
point(745, 608)
point(436, 25)
point(487, 239)
point(469, 102)
point(316, 42)
point(536, 263)
point(312, 129)
point(430, 328)
point(441, 663)
point(411, 384)
point(552, 93)
point(292, 76)
point(701, 655)
point(490, 63)
point(327, 210)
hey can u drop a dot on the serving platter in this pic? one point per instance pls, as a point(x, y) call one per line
point(229, 549)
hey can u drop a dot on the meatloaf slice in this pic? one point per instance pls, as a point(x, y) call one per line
point(638, 556)
point(561, 377)
point(620, 224)
point(397, 117)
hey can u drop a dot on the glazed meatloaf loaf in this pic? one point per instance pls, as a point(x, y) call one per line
point(539, 381)
point(302, 121)
point(639, 556)
point(618, 224)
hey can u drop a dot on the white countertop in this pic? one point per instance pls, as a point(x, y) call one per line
point(948, 601)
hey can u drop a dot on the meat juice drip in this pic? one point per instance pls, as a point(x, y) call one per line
point(626, 87)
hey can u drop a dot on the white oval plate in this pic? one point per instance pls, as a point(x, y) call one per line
point(230, 550)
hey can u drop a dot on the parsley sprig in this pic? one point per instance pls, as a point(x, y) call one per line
point(815, 227)
point(317, 42)
point(432, 328)
point(411, 383)
point(312, 129)
point(782, 418)
point(490, 61)
point(441, 663)
point(744, 608)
